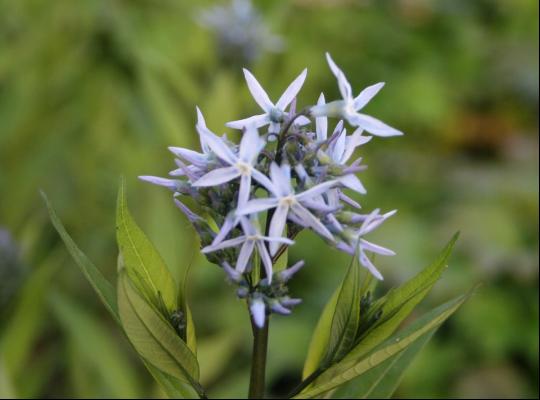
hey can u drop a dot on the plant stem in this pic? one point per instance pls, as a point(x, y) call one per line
point(305, 383)
point(258, 360)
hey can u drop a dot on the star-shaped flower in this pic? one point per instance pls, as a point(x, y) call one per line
point(348, 107)
point(251, 239)
point(285, 201)
point(241, 165)
point(274, 114)
point(359, 245)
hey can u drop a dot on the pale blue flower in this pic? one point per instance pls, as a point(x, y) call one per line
point(251, 239)
point(358, 245)
point(287, 204)
point(274, 114)
point(348, 107)
point(241, 165)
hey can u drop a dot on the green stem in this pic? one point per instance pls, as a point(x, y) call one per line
point(258, 360)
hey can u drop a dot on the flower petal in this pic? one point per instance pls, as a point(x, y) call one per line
point(366, 95)
point(217, 145)
point(352, 182)
point(257, 205)
point(316, 190)
point(257, 121)
point(250, 145)
point(352, 142)
point(243, 192)
point(266, 260)
point(375, 248)
point(321, 123)
point(373, 125)
point(264, 181)
point(311, 221)
point(277, 225)
point(190, 156)
point(258, 92)
point(171, 184)
point(217, 177)
point(224, 244)
point(281, 178)
point(202, 124)
point(228, 225)
point(258, 311)
point(244, 256)
point(344, 85)
point(366, 262)
point(291, 92)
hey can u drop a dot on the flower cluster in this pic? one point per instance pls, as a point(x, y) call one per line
point(255, 197)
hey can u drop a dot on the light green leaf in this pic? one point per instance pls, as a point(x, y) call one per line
point(143, 264)
point(191, 337)
point(173, 388)
point(153, 337)
point(400, 302)
point(346, 318)
point(349, 369)
point(101, 285)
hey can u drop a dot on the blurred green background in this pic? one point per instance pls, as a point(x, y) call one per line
point(92, 89)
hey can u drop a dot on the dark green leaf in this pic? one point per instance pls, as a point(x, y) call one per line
point(101, 285)
point(346, 318)
point(350, 368)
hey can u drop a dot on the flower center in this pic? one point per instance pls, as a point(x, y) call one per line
point(287, 201)
point(244, 168)
point(276, 115)
point(254, 237)
point(349, 107)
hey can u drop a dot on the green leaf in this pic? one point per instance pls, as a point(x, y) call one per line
point(101, 285)
point(350, 368)
point(400, 302)
point(143, 264)
point(346, 318)
point(191, 337)
point(95, 348)
point(321, 336)
point(153, 337)
point(382, 381)
point(173, 388)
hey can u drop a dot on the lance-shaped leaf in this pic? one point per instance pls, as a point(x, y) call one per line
point(321, 336)
point(101, 285)
point(152, 336)
point(346, 318)
point(400, 302)
point(173, 388)
point(383, 380)
point(143, 263)
point(351, 368)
